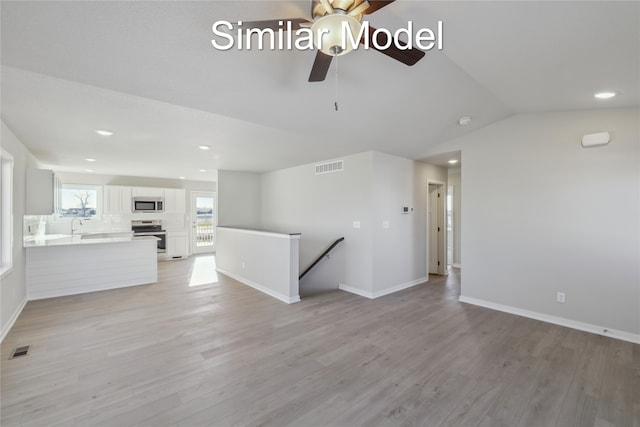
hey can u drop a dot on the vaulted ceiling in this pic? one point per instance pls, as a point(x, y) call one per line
point(148, 71)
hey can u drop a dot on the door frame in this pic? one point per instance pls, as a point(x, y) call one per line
point(442, 238)
point(192, 234)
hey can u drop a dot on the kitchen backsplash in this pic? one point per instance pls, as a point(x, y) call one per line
point(34, 225)
point(39, 225)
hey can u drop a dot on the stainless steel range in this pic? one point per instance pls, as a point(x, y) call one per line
point(151, 227)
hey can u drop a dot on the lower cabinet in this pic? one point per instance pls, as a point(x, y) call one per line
point(177, 245)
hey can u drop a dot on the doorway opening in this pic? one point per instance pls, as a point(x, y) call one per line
point(450, 225)
point(436, 234)
point(203, 222)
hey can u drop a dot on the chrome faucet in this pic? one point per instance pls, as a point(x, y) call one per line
point(73, 230)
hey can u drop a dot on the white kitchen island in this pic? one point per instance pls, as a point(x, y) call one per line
point(68, 265)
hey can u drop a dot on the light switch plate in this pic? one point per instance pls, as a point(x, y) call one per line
point(356, 224)
point(385, 224)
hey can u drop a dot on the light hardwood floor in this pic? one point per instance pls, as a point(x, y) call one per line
point(224, 354)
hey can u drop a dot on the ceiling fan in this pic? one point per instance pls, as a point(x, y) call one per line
point(332, 14)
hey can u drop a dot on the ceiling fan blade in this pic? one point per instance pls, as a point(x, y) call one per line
point(327, 6)
point(406, 56)
point(274, 24)
point(320, 67)
point(359, 9)
point(377, 5)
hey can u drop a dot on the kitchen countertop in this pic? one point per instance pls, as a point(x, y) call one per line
point(80, 239)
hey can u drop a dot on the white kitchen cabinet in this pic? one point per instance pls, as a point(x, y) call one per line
point(43, 192)
point(174, 200)
point(117, 199)
point(177, 245)
point(147, 192)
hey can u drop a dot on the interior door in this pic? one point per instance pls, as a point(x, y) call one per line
point(203, 222)
point(433, 229)
point(436, 243)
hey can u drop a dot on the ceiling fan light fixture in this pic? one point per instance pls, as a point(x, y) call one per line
point(331, 33)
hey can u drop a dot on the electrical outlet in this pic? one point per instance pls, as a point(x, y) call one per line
point(560, 297)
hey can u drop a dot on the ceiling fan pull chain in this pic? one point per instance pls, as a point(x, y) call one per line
point(336, 103)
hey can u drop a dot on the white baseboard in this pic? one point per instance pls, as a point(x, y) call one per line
point(457, 265)
point(55, 293)
point(259, 287)
point(574, 324)
point(356, 291)
point(383, 292)
point(399, 287)
point(12, 320)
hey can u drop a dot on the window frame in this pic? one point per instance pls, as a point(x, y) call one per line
point(99, 195)
point(6, 211)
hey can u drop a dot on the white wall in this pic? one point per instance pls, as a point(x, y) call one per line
point(265, 261)
point(135, 181)
point(239, 199)
point(323, 208)
point(542, 215)
point(400, 251)
point(13, 289)
point(455, 180)
point(371, 189)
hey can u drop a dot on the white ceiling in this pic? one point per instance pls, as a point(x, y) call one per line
point(148, 71)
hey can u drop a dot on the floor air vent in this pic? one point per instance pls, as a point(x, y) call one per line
point(20, 352)
point(336, 166)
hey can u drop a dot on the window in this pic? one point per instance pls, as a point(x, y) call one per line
point(6, 211)
point(80, 201)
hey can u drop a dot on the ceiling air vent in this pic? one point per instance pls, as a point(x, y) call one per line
point(336, 166)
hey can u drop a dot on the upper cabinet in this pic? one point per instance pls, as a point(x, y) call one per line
point(117, 199)
point(174, 200)
point(147, 192)
point(43, 192)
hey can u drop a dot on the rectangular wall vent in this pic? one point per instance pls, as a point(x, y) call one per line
point(20, 351)
point(336, 166)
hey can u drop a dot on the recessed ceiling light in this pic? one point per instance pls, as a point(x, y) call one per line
point(181, 177)
point(89, 170)
point(203, 170)
point(104, 132)
point(463, 121)
point(89, 159)
point(606, 94)
point(453, 161)
point(204, 147)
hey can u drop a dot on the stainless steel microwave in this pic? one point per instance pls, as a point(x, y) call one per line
point(148, 204)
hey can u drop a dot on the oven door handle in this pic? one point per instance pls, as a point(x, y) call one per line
point(150, 233)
